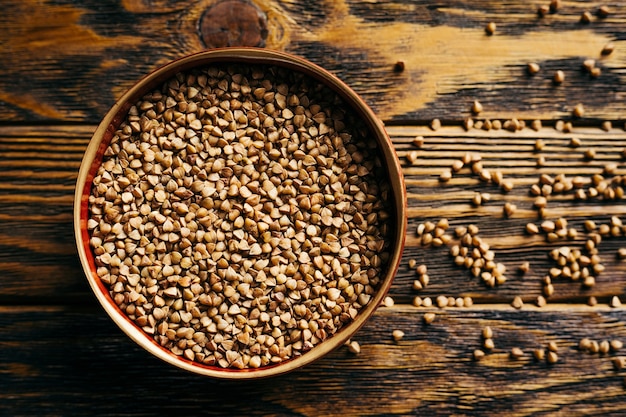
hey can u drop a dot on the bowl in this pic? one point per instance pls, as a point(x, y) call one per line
point(240, 213)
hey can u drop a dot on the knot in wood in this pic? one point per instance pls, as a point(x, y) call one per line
point(233, 23)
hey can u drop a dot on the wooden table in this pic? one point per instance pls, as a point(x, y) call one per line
point(65, 63)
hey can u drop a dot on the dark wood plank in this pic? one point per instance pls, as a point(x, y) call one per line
point(515, 156)
point(69, 361)
point(70, 61)
point(38, 168)
point(38, 258)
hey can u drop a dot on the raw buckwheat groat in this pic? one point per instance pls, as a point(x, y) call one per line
point(239, 215)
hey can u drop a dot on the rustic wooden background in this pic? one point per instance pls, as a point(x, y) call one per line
point(64, 63)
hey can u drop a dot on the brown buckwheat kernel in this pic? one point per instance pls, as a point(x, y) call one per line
point(238, 215)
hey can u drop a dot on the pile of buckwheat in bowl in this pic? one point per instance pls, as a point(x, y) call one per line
point(238, 214)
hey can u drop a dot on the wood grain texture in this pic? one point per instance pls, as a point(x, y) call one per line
point(515, 156)
point(69, 61)
point(80, 364)
point(38, 168)
point(64, 63)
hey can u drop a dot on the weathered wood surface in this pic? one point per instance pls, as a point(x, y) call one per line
point(38, 167)
point(69, 61)
point(65, 63)
point(80, 364)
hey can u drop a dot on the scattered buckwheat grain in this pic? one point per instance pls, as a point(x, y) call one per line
point(354, 347)
point(559, 77)
point(516, 353)
point(533, 68)
point(429, 318)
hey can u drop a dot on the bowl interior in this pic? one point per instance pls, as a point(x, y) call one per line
point(103, 136)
